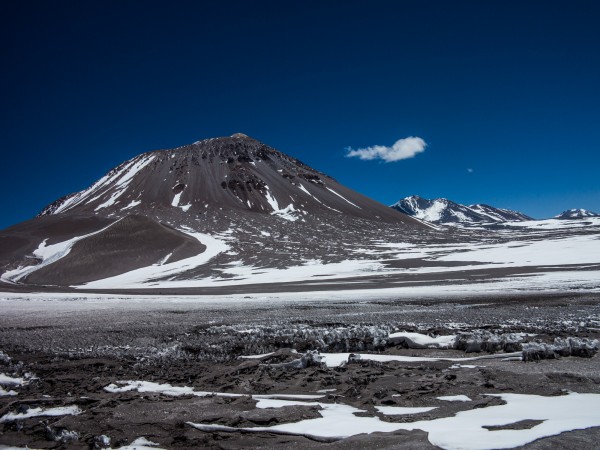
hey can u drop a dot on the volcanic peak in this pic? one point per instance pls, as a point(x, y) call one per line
point(216, 175)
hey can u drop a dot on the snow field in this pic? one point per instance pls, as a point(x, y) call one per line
point(575, 250)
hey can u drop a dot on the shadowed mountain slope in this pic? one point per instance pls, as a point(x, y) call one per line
point(129, 243)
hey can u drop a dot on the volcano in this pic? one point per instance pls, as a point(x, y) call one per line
point(234, 173)
point(191, 212)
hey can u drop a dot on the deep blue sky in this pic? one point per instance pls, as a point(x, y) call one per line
point(509, 89)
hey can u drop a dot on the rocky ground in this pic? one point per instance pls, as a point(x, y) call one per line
point(72, 353)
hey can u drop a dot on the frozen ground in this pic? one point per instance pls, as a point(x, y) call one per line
point(259, 256)
point(166, 372)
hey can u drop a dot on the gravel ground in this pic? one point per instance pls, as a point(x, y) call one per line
point(73, 348)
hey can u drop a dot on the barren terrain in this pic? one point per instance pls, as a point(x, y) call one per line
point(164, 368)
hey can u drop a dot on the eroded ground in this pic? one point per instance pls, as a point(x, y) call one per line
point(73, 353)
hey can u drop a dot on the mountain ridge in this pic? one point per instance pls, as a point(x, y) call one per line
point(576, 213)
point(442, 210)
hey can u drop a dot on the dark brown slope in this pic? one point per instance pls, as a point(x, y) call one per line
point(128, 244)
point(19, 241)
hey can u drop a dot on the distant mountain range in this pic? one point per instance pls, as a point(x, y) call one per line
point(442, 210)
point(577, 214)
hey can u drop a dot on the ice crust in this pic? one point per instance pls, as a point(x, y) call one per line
point(582, 347)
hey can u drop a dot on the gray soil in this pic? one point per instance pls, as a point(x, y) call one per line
point(76, 347)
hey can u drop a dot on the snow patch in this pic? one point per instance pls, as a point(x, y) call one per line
point(339, 359)
point(142, 443)
point(6, 380)
point(176, 198)
point(418, 340)
point(120, 182)
point(401, 410)
point(133, 204)
point(4, 393)
point(287, 213)
point(41, 412)
point(272, 201)
point(342, 197)
point(454, 398)
point(178, 391)
point(467, 430)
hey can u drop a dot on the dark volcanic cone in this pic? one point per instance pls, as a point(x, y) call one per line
point(231, 173)
point(255, 206)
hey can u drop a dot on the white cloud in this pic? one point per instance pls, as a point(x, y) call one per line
point(402, 149)
point(470, 170)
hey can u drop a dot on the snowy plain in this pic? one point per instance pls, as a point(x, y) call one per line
point(551, 253)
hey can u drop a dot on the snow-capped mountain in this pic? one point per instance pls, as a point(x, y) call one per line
point(196, 212)
point(442, 210)
point(576, 214)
